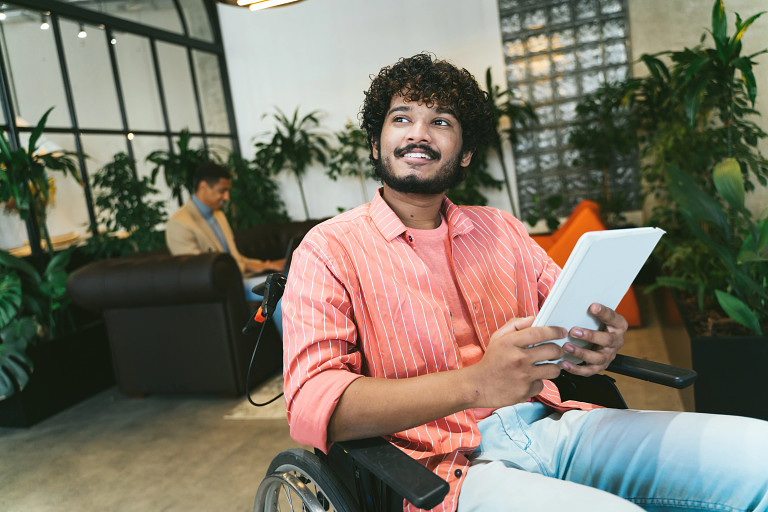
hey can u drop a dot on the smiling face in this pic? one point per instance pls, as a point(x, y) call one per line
point(214, 196)
point(419, 150)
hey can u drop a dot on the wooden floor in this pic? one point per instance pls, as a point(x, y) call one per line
point(167, 453)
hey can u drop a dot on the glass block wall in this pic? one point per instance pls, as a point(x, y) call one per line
point(556, 52)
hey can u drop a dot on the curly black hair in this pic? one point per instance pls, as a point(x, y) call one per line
point(422, 78)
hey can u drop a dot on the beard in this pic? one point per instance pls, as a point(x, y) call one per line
point(449, 175)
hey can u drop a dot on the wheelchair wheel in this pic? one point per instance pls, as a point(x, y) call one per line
point(298, 480)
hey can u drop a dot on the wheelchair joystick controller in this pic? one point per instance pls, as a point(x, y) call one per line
point(273, 290)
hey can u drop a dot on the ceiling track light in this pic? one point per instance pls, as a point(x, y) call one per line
point(257, 5)
point(82, 34)
point(44, 24)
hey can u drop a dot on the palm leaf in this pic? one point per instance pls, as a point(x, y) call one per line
point(37, 132)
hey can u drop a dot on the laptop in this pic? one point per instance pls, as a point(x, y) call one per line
point(293, 243)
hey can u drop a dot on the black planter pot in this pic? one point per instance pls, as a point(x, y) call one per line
point(731, 375)
point(68, 370)
point(731, 371)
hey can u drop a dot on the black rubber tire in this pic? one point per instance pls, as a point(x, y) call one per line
point(325, 485)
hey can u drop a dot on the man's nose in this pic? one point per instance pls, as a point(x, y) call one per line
point(419, 132)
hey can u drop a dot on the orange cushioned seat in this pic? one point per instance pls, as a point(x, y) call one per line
point(585, 217)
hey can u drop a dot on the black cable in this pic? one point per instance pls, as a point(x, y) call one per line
point(250, 366)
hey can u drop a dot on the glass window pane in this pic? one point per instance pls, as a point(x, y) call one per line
point(90, 76)
point(557, 52)
point(196, 16)
point(515, 72)
point(101, 149)
point(139, 82)
point(560, 13)
point(564, 62)
point(177, 87)
point(540, 66)
point(68, 212)
point(211, 92)
point(220, 147)
point(154, 13)
point(143, 145)
point(32, 51)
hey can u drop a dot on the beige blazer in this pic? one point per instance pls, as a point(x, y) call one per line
point(187, 232)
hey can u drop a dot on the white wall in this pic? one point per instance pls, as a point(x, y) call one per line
point(319, 54)
point(659, 25)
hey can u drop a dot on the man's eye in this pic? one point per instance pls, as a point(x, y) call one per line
point(442, 122)
point(399, 119)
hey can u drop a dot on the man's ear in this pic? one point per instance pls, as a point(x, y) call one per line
point(466, 158)
point(375, 148)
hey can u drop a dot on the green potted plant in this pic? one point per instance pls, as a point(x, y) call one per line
point(179, 166)
point(605, 137)
point(50, 358)
point(726, 311)
point(295, 145)
point(127, 210)
point(24, 182)
point(349, 156)
point(715, 251)
point(255, 196)
point(38, 331)
point(511, 116)
point(29, 301)
point(705, 101)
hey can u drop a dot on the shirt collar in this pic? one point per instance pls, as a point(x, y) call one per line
point(205, 210)
point(390, 225)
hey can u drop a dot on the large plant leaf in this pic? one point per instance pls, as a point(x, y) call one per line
point(692, 200)
point(729, 182)
point(744, 65)
point(15, 365)
point(719, 22)
point(738, 311)
point(10, 298)
point(10, 261)
point(740, 29)
point(37, 132)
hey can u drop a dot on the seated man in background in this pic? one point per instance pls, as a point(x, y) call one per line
point(410, 317)
point(201, 226)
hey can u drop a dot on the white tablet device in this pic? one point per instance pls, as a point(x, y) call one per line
point(601, 268)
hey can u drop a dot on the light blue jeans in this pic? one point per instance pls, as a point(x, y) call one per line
point(531, 459)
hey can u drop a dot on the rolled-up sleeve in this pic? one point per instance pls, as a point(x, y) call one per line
point(320, 357)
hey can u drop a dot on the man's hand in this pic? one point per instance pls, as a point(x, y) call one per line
point(508, 373)
point(606, 343)
point(264, 265)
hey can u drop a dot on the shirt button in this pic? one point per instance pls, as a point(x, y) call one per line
point(410, 238)
point(457, 473)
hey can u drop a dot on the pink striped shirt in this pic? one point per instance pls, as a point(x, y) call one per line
point(360, 302)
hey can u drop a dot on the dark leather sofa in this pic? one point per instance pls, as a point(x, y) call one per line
point(175, 323)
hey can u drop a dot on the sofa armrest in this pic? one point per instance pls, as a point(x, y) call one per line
point(149, 281)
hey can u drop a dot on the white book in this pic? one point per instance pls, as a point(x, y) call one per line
point(601, 268)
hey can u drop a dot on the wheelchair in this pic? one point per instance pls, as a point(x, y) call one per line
point(372, 475)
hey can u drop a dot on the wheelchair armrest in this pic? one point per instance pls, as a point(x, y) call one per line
point(652, 371)
point(404, 475)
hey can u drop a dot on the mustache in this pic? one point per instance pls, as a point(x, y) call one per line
point(432, 153)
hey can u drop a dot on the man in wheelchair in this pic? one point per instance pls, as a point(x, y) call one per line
point(413, 315)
